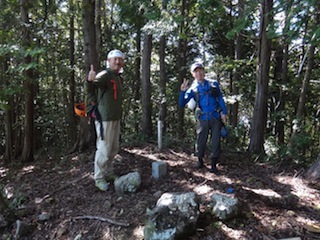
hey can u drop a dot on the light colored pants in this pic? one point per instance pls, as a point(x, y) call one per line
point(107, 148)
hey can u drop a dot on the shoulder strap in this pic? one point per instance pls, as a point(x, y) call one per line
point(197, 98)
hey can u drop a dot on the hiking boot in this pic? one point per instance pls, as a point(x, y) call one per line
point(199, 164)
point(102, 185)
point(215, 171)
point(111, 177)
point(213, 168)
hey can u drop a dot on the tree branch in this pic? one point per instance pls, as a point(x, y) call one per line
point(124, 224)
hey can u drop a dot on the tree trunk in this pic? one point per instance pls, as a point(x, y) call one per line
point(277, 95)
point(136, 82)
point(280, 123)
point(163, 80)
point(236, 76)
point(297, 123)
point(146, 123)
point(87, 135)
point(260, 105)
point(305, 84)
point(28, 143)
point(181, 63)
point(8, 119)
point(70, 95)
point(89, 34)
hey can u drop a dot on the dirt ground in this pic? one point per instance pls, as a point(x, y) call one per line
point(275, 201)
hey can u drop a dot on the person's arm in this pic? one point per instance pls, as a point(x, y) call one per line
point(185, 95)
point(96, 80)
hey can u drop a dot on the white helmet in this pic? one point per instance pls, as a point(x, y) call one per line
point(115, 53)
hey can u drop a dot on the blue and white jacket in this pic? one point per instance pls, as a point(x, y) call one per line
point(210, 105)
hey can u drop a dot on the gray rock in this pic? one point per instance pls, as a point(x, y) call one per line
point(174, 217)
point(159, 169)
point(224, 207)
point(128, 183)
point(44, 216)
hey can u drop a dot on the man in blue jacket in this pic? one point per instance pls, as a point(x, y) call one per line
point(210, 110)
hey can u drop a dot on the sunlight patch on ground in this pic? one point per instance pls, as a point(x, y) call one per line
point(264, 192)
point(9, 192)
point(307, 221)
point(204, 189)
point(232, 233)
point(269, 220)
point(75, 158)
point(74, 170)
point(138, 232)
point(3, 171)
point(150, 156)
point(28, 169)
point(182, 155)
point(300, 189)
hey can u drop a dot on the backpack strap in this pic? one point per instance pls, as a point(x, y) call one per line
point(197, 109)
point(98, 115)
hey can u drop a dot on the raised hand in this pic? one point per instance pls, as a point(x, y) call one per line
point(184, 85)
point(92, 73)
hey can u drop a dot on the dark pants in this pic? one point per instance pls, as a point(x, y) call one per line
point(204, 128)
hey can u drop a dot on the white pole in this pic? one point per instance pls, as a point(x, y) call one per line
point(159, 134)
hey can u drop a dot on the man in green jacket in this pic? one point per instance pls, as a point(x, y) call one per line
point(108, 86)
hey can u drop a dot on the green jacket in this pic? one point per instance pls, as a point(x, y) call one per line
point(106, 91)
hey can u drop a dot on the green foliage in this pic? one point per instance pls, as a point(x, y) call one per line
point(149, 229)
point(298, 152)
point(209, 28)
point(17, 198)
point(216, 224)
point(238, 138)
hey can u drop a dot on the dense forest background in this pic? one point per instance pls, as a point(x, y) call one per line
point(265, 54)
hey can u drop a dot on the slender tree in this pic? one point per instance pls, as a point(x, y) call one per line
point(8, 117)
point(304, 89)
point(236, 75)
point(163, 79)
point(87, 135)
point(137, 76)
point(29, 87)
point(71, 80)
point(181, 60)
point(146, 123)
point(280, 122)
point(259, 117)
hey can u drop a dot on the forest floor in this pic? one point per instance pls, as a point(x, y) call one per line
point(276, 201)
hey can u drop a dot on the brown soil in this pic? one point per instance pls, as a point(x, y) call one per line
point(275, 201)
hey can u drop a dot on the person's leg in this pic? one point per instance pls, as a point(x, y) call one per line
point(202, 136)
point(114, 134)
point(215, 125)
point(101, 156)
point(106, 151)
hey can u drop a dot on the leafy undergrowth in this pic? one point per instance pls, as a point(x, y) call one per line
point(275, 203)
